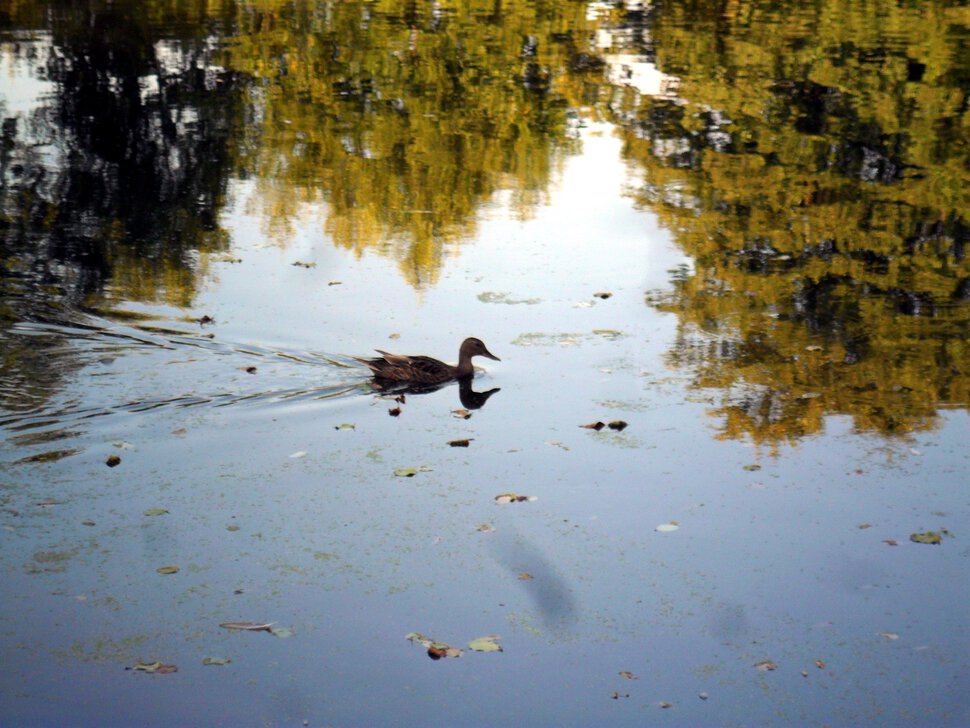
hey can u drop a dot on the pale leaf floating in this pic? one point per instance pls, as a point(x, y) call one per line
point(889, 635)
point(526, 576)
point(156, 511)
point(628, 675)
point(298, 454)
point(249, 626)
point(461, 414)
point(436, 650)
point(766, 665)
point(486, 644)
point(154, 667)
point(603, 294)
point(345, 426)
point(167, 570)
point(928, 537)
point(486, 528)
point(411, 472)
point(281, 632)
point(216, 660)
point(594, 426)
point(504, 498)
point(667, 527)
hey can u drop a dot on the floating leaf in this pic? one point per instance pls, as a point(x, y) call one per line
point(301, 264)
point(232, 527)
point(154, 667)
point(890, 542)
point(930, 537)
point(526, 576)
point(436, 650)
point(87, 523)
point(486, 528)
point(216, 660)
point(156, 512)
point(556, 443)
point(664, 704)
point(628, 675)
point(344, 426)
point(394, 411)
point(122, 445)
point(112, 461)
point(813, 347)
point(179, 432)
point(248, 626)
point(250, 370)
point(461, 414)
point(486, 644)
point(819, 664)
point(48, 504)
point(889, 635)
point(752, 468)
point(594, 426)
point(513, 498)
point(281, 632)
point(460, 443)
point(864, 526)
point(703, 696)
point(667, 527)
point(167, 570)
point(298, 454)
point(617, 425)
point(411, 472)
point(766, 665)
point(603, 294)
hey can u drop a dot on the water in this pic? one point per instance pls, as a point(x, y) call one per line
point(193, 257)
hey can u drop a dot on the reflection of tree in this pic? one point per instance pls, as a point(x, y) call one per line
point(816, 167)
point(406, 121)
point(138, 156)
point(116, 179)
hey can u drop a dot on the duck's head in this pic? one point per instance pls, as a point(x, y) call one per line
point(475, 347)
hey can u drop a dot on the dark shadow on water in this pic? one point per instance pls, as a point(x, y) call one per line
point(548, 588)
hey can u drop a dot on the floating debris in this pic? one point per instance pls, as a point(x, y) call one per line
point(513, 498)
point(394, 411)
point(248, 626)
point(112, 461)
point(766, 665)
point(460, 443)
point(594, 426)
point(603, 294)
point(752, 468)
point(216, 660)
point(667, 527)
point(301, 264)
point(486, 528)
point(298, 454)
point(156, 511)
point(486, 644)
point(411, 472)
point(154, 668)
point(436, 650)
point(525, 576)
point(628, 675)
point(461, 414)
point(166, 570)
point(618, 425)
point(890, 542)
point(929, 537)
point(345, 426)
point(250, 370)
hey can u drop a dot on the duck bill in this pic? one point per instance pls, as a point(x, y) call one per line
point(490, 355)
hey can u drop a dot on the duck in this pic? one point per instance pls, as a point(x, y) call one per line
point(424, 369)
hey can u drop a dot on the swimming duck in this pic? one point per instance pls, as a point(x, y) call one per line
point(424, 369)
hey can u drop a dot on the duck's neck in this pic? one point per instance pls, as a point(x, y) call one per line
point(464, 368)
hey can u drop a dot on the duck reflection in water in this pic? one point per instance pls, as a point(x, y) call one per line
point(405, 374)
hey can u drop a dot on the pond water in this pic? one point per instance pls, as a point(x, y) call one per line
point(737, 236)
